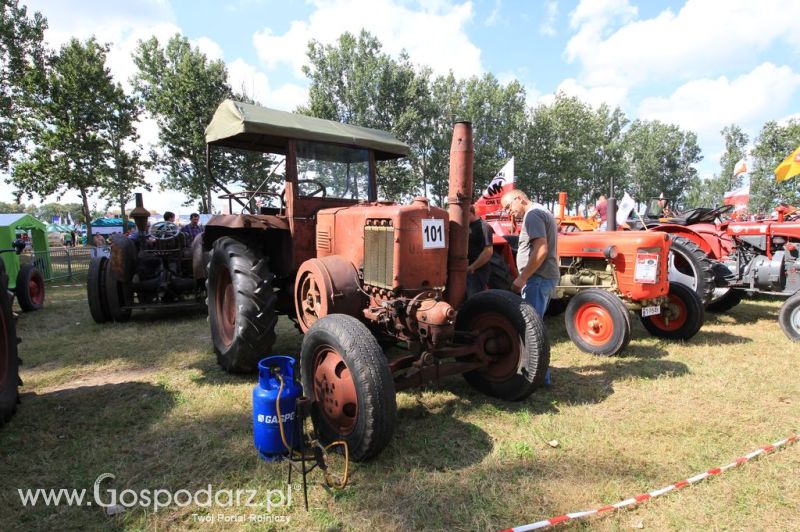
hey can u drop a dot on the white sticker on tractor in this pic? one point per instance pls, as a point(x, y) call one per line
point(651, 311)
point(432, 234)
point(646, 270)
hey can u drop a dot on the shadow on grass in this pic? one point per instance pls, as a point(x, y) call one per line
point(719, 338)
point(748, 311)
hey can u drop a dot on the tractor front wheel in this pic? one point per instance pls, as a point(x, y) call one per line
point(241, 305)
point(514, 337)
point(9, 361)
point(96, 289)
point(118, 295)
point(346, 374)
point(598, 322)
point(789, 317)
point(30, 288)
point(682, 316)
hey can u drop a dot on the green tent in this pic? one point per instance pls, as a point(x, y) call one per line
point(9, 225)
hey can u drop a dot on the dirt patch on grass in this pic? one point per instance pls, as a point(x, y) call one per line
point(104, 377)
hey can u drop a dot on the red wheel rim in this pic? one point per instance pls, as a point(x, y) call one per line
point(225, 303)
point(594, 324)
point(501, 342)
point(36, 288)
point(334, 390)
point(673, 317)
point(3, 352)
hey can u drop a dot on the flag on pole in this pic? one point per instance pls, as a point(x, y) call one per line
point(789, 168)
point(625, 207)
point(739, 198)
point(502, 182)
point(740, 168)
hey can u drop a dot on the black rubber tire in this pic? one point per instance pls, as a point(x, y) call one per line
point(254, 327)
point(603, 302)
point(377, 405)
point(500, 277)
point(118, 295)
point(556, 307)
point(28, 273)
point(533, 357)
point(689, 259)
point(9, 359)
point(96, 289)
point(695, 315)
point(789, 317)
point(724, 303)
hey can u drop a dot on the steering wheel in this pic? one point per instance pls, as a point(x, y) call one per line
point(719, 211)
point(164, 230)
point(320, 188)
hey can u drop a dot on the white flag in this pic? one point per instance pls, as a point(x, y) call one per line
point(625, 207)
point(740, 168)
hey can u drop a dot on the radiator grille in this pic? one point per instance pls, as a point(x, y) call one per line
point(378, 255)
point(323, 240)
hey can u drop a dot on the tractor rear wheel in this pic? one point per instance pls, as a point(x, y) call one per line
point(346, 374)
point(789, 317)
point(96, 290)
point(725, 299)
point(690, 266)
point(241, 305)
point(118, 296)
point(9, 361)
point(516, 341)
point(499, 275)
point(30, 288)
point(682, 316)
point(556, 307)
point(598, 322)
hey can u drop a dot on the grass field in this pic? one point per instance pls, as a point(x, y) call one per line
point(146, 402)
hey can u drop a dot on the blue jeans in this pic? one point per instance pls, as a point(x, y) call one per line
point(537, 292)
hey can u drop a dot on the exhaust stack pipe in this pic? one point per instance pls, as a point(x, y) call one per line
point(459, 198)
point(140, 215)
point(562, 205)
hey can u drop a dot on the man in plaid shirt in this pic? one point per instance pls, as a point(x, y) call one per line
point(194, 228)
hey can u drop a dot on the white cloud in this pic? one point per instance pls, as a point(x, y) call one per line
point(433, 34)
point(704, 37)
point(548, 25)
point(494, 17)
point(594, 96)
point(246, 78)
point(209, 47)
point(707, 105)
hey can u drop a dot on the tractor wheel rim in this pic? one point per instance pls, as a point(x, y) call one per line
point(310, 300)
point(501, 343)
point(36, 289)
point(681, 270)
point(594, 324)
point(4, 352)
point(674, 317)
point(795, 319)
point(225, 306)
point(334, 390)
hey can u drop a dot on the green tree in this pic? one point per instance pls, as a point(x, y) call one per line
point(660, 158)
point(71, 132)
point(772, 145)
point(714, 189)
point(181, 89)
point(127, 165)
point(22, 60)
point(47, 211)
point(7, 208)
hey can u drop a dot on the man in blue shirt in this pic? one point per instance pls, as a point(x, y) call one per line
point(536, 257)
point(194, 228)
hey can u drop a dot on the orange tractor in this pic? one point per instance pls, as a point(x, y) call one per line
point(604, 276)
point(351, 270)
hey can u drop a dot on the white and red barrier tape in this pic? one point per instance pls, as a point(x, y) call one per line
point(652, 494)
point(64, 285)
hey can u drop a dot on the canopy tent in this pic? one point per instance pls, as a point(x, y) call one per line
point(252, 127)
point(107, 226)
point(10, 224)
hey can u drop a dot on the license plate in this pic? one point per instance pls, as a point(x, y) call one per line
point(651, 311)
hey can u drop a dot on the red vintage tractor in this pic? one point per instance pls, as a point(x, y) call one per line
point(747, 257)
point(351, 270)
point(606, 274)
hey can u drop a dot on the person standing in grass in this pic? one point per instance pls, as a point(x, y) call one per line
point(479, 253)
point(193, 228)
point(536, 256)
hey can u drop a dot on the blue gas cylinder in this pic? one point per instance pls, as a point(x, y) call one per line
point(266, 429)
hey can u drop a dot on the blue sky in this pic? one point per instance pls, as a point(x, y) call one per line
point(702, 64)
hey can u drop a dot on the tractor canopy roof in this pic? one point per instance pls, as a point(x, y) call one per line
point(251, 127)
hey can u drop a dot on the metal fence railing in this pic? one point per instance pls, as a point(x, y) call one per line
point(61, 264)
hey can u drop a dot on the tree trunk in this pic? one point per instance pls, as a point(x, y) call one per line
point(122, 213)
point(87, 217)
point(208, 196)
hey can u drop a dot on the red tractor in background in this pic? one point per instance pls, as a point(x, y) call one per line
point(759, 257)
point(604, 276)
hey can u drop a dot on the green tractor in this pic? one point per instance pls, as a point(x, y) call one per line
point(9, 361)
point(25, 278)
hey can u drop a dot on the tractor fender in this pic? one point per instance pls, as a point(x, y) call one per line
point(709, 241)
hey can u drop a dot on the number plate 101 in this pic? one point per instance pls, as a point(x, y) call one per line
point(432, 234)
